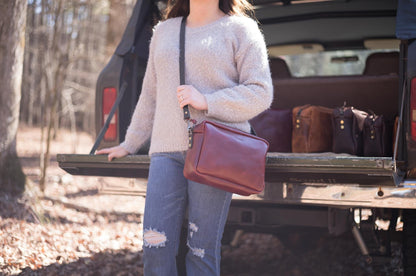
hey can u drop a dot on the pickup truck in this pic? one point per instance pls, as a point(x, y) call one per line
point(321, 53)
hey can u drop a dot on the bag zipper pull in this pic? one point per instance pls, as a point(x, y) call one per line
point(298, 115)
point(190, 138)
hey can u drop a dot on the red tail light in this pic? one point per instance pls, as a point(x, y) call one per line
point(109, 98)
point(413, 108)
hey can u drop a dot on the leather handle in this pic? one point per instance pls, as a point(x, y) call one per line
point(186, 114)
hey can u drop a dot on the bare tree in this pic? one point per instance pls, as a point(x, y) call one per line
point(56, 60)
point(65, 52)
point(96, 27)
point(82, 23)
point(69, 68)
point(12, 41)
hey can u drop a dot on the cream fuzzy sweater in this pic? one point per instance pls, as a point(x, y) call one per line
point(225, 60)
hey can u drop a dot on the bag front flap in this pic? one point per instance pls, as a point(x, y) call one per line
point(233, 155)
point(343, 112)
point(374, 127)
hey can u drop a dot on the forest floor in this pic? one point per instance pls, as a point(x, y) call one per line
point(92, 226)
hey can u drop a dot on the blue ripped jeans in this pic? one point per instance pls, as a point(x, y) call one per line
point(169, 193)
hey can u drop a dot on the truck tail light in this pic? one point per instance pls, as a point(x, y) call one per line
point(109, 98)
point(413, 109)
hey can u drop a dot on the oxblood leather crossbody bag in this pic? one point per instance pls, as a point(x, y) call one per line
point(220, 156)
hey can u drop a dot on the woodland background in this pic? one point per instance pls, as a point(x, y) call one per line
point(67, 45)
point(51, 52)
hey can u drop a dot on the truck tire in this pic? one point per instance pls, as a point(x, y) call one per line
point(409, 242)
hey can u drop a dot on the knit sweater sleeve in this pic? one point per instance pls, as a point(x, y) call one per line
point(254, 92)
point(140, 128)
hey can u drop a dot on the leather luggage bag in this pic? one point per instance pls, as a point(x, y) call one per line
point(348, 124)
point(376, 138)
point(221, 156)
point(275, 125)
point(312, 129)
point(226, 158)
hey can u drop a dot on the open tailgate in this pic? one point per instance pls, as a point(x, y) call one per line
point(326, 168)
point(135, 166)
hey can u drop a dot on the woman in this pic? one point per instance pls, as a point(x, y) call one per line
point(227, 80)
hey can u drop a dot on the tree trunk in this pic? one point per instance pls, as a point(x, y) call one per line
point(12, 41)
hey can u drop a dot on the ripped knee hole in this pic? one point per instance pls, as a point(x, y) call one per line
point(154, 238)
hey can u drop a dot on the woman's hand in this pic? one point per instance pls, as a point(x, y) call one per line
point(187, 94)
point(114, 152)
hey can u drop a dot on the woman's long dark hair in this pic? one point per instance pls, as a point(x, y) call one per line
point(177, 8)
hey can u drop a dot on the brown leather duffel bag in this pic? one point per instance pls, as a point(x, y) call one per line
point(312, 129)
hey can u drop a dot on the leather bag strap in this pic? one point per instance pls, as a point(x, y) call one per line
point(186, 114)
